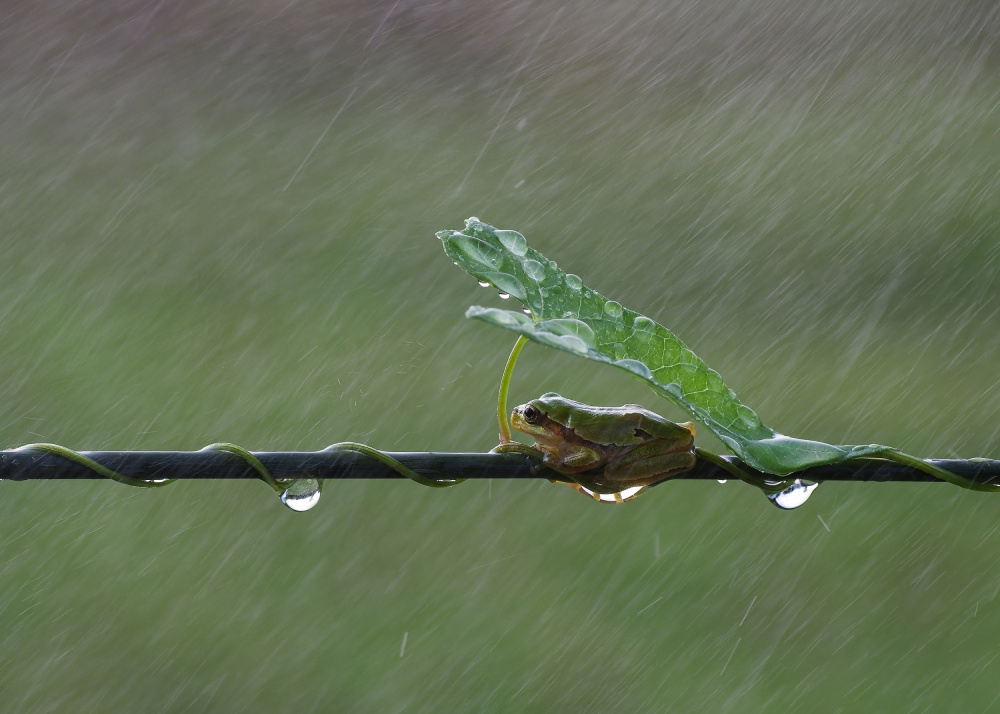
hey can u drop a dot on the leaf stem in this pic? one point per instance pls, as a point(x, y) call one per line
point(767, 487)
point(505, 437)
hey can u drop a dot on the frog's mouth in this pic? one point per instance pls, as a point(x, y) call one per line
point(518, 422)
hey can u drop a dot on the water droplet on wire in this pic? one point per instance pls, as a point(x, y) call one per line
point(301, 494)
point(793, 496)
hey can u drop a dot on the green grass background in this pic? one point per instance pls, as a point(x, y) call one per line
point(190, 251)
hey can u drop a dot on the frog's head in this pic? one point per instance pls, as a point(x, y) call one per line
point(534, 418)
point(529, 419)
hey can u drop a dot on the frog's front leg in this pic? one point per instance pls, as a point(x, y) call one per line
point(516, 447)
point(552, 457)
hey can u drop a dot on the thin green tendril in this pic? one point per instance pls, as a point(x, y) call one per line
point(104, 471)
point(261, 470)
point(278, 485)
point(508, 370)
point(391, 463)
point(936, 471)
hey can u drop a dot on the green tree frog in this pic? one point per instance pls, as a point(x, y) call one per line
point(613, 452)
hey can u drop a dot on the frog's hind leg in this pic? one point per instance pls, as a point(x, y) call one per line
point(614, 498)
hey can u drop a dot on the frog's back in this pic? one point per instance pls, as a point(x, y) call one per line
point(655, 425)
point(627, 424)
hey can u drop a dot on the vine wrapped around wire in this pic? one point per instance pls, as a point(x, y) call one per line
point(299, 494)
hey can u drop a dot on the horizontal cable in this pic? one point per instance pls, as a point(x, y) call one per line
point(31, 465)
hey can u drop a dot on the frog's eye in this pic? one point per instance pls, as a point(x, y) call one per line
point(531, 415)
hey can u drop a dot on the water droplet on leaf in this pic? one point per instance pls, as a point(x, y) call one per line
point(501, 318)
point(674, 390)
point(643, 324)
point(573, 281)
point(483, 284)
point(475, 252)
point(747, 415)
point(635, 367)
point(570, 326)
point(534, 269)
point(513, 241)
point(506, 284)
point(613, 309)
point(574, 344)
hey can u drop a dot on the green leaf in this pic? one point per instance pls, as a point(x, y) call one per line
point(569, 316)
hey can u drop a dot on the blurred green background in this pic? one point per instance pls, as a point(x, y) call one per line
point(217, 224)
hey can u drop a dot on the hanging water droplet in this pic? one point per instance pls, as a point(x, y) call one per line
point(483, 284)
point(454, 262)
point(504, 296)
point(793, 496)
point(526, 311)
point(302, 494)
point(721, 480)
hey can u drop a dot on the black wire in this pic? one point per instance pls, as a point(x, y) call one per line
point(150, 465)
